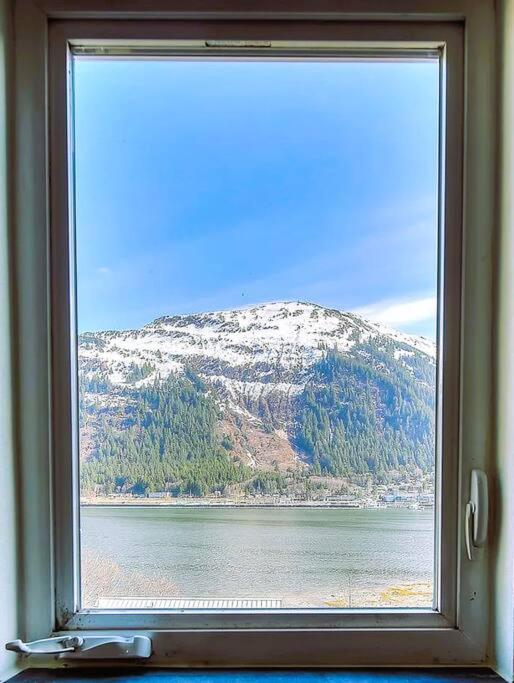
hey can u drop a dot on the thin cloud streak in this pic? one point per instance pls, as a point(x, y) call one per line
point(400, 313)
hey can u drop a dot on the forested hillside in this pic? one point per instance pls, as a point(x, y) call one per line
point(166, 442)
point(354, 418)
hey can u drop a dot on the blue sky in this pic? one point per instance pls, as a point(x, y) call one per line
point(206, 186)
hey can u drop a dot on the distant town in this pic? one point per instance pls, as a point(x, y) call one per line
point(420, 496)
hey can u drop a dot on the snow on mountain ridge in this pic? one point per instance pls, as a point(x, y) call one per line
point(255, 314)
point(256, 343)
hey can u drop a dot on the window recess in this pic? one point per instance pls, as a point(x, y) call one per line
point(435, 630)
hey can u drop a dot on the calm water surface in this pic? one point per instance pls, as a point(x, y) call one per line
point(301, 556)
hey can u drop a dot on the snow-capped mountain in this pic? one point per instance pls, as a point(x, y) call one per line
point(257, 343)
point(256, 363)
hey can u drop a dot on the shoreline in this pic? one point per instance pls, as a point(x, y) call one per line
point(240, 505)
point(105, 579)
point(222, 506)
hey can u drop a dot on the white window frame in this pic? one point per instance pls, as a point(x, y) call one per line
point(457, 632)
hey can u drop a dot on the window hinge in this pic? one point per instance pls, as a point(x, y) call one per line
point(477, 514)
point(86, 647)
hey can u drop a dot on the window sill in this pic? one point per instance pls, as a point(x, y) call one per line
point(141, 675)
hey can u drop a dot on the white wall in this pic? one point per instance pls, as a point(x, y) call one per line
point(8, 520)
point(502, 588)
point(502, 631)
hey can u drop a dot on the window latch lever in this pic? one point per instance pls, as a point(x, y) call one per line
point(85, 647)
point(477, 514)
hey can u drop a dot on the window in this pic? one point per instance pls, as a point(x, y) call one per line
point(435, 629)
point(251, 433)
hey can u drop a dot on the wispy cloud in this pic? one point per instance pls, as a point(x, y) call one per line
point(401, 312)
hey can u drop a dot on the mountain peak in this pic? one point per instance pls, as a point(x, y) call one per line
point(291, 317)
point(277, 340)
point(271, 307)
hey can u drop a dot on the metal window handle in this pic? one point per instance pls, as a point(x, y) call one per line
point(477, 514)
point(48, 646)
point(86, 647)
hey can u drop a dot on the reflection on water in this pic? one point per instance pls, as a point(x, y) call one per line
point(304, 557)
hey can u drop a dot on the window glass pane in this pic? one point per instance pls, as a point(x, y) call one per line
point(257, 249)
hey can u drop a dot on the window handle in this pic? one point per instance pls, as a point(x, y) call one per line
point(47, 646)
point(477, 513)
point(86, 647)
